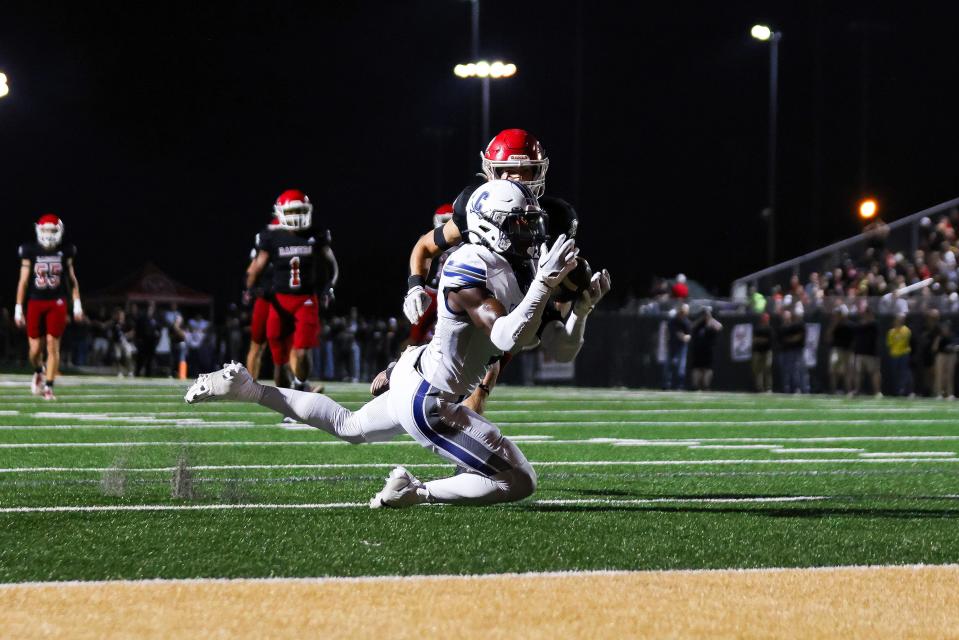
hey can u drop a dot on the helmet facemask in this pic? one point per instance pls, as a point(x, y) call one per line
point(49, 234)
point(493, 170)
point(517, 233)
point(294, 215)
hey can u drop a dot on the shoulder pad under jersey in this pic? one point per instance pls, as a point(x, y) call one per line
point(466, 267)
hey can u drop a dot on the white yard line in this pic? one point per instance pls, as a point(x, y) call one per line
point(722, 423)
point(910, 454)
point(550, 463)
point(354, 505)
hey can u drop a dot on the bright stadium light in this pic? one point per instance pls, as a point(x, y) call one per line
point(4, 87)
point(868, 209)
point(761, 32)
point(484, 69)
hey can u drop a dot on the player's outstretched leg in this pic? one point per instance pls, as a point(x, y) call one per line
point(372, 423)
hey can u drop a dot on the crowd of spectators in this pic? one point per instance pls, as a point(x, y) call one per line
point(881, 270)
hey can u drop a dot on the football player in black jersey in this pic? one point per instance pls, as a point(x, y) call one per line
point(513, 154)
point(260, 297)
point(304, 274)
point(47, 279)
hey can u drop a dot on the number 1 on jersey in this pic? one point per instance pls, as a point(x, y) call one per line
point(294, 272)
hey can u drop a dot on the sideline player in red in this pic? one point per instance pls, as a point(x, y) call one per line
point(47, 278)
point(260, 297)
point(304, 271)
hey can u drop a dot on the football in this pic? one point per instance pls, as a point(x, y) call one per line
point(575, 283)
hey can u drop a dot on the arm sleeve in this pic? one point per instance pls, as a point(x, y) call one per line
point(519, 327)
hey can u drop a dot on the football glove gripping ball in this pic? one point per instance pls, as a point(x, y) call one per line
point(556, 262)
point(599, 286)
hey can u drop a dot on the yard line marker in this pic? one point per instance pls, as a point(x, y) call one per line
point(354, 505)
point(550, 463)
point(161, 424)
point(816, 450)
point(404, 441)
point(722, 423)
point(914, 454)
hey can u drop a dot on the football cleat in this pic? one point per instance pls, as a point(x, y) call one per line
point(48, 393)
point(402, 489)
point(38, 383)
point(232, 382)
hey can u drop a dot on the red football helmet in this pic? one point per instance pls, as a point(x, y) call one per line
point(293, 210)
point(49, 231)
point(442, 215)
point(516, 148)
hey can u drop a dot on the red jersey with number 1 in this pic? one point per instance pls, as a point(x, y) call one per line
point(48, 270)
point(298, 264)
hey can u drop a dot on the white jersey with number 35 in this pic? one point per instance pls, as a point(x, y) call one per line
point(457, 357)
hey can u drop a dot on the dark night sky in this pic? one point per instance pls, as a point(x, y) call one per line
point(164, 131)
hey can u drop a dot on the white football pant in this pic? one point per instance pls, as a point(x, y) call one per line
point(498, 470)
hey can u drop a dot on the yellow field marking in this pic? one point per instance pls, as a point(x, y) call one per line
point(853, 602)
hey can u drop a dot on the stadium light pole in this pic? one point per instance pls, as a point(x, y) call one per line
point(764, 34)
point(485, 71)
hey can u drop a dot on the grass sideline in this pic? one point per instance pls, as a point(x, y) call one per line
point(628, 480)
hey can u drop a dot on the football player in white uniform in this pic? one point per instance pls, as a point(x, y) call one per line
point(483, 312)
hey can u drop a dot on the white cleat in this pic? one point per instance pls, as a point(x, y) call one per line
point(38, 384)
point(402, 489)
point(232, 382)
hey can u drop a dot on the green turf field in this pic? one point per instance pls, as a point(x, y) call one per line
point(627, 480)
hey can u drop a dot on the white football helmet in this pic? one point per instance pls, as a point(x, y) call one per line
point(505, 216)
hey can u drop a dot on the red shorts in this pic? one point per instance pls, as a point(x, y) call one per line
point(53, 313)
point(261, 311)
point(294, 323)
point(422, 331)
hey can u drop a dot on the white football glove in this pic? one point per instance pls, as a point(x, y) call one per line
point(556, 262)
point(77, 310)
point(599, 286)
point(18, 315)
point(415, 303)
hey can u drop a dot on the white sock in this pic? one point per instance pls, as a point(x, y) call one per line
point(471, 488)
point(466, 488)
point(371, 423)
